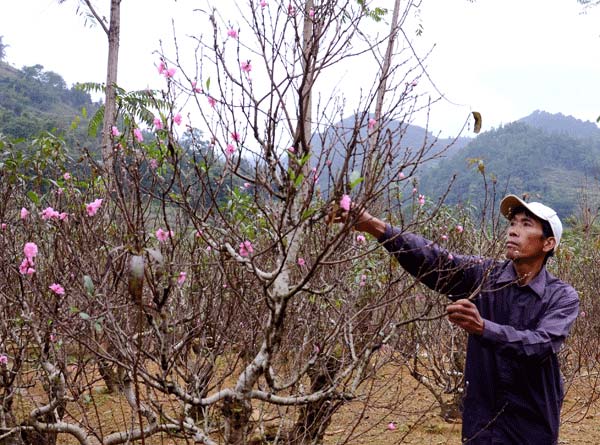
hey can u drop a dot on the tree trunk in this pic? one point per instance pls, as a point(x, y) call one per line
point(110, 106)
point(314, 418)
point(237, 414)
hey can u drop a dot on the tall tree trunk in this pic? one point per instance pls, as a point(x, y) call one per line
point(110, 106)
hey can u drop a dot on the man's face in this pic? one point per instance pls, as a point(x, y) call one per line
point(525, 238)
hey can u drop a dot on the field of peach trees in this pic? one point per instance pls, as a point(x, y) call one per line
point(189, 270)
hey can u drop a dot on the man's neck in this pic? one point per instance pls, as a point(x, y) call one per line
point(527, 270)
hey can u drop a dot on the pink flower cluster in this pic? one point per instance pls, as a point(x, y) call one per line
point(181, 278)
point(27, 266)
point(163, 235)
point(246, 248)
point(345, 203)
point(57, 289)
point(137, 134)
point(168, 73)
point(3, 359)
point(24, 213)
point(50, 213)
point(92, 207)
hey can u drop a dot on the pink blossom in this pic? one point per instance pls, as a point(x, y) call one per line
point(421, 200)
point(26, 267)
point(345, 203)
point(247, 185)
point(92, 207)
point(195, 88)
point(246, 67)
point(328, 162)
point(177, 119)
point(246, 248)
point(163, 235)
point(49, 213)
point(198, 233)
point(311, 13)
point(582, 314)
point(263, 3)
point(232, 33)
point(153, 164)
point(301, 262)
point(181, 278)
point(444, 237)
point(459, 228)
point(3, 359)
point(371, 124)
point(211, 101)
point(401, 175)
point(414, 190)
point(59, 191)
point(208, 248)
point(450, 256)
point(158, 123)
point(67, 176)
point(360, 239)
point(170, 72)
point(292, 150)
point(63, 216)
point(24, 213)
point(291, 10)
point(391, 426)
point(115, 131)
point(235, 136)
point(161, 68)
point(30, 250)
point(138, 135)
point(229, 150)
point(52, 338)
point(3, 226)
point(57, 289)
point(363, 280)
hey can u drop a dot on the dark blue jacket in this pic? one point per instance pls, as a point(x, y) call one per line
point(513, 386)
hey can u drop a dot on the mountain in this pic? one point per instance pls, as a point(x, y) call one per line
point(561, 124)
point(407, 137)
point(549, 157)
point(33, 101)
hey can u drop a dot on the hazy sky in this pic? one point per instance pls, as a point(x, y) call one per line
point(504, 58)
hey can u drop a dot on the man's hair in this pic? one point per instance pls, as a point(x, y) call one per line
point(546, 229)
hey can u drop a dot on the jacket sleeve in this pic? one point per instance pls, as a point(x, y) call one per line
point(454, 275)
point(548, 336)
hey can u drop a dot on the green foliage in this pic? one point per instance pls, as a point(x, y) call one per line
point(34, 101)
point(520, 159)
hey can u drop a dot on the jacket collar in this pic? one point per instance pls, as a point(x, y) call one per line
point(537, 284)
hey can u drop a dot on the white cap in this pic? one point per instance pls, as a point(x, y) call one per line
point(511, 202)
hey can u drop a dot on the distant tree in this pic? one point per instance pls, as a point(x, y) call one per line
point(3, 47)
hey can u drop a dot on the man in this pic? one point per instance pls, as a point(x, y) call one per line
point(517, 316)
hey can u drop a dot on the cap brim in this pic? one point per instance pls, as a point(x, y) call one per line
point(509, 203)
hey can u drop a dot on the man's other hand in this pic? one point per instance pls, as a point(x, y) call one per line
point(464, 314)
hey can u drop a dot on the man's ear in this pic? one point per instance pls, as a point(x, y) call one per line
point(549, 244)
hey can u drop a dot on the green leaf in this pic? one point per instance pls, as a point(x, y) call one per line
point(355, 179)
point(208, 84)
point(33, 197)
point(84, 316)
point(299, 180)
point(88, 285)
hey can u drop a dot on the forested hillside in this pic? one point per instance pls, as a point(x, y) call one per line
point(552, 158)
point(33, 100)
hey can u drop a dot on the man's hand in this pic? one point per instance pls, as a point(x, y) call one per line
point(365, 222)
point(465, 315)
